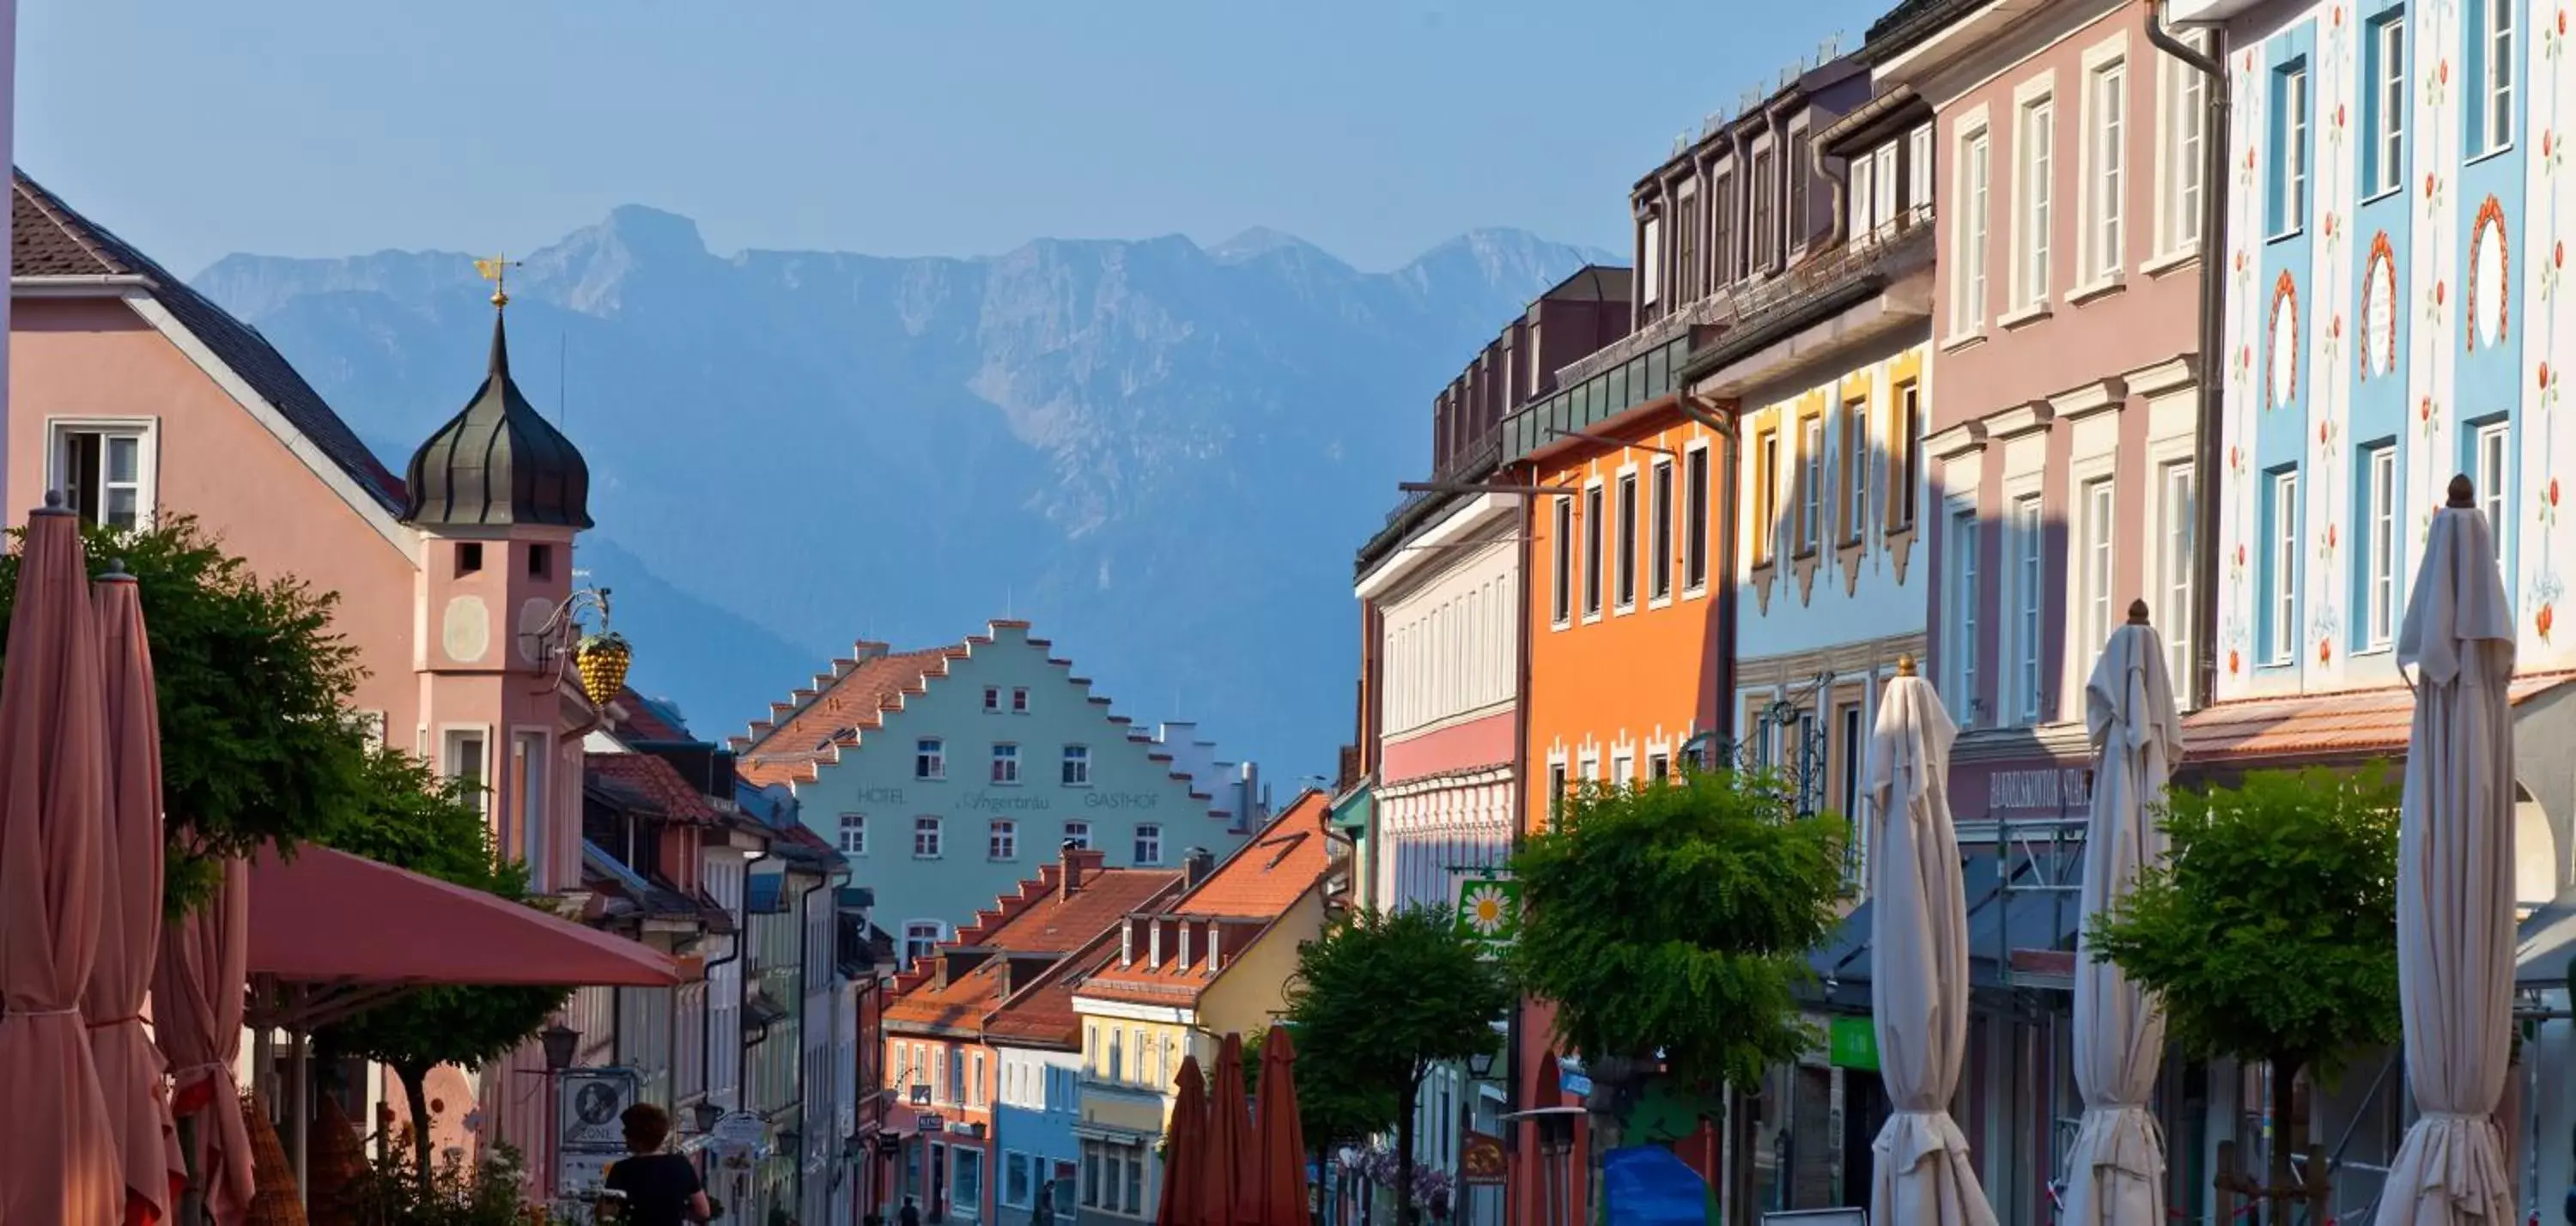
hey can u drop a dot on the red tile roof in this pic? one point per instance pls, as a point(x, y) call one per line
point(1041, 1015)
point(1249, 892)
point(48, 239)
point(649, 786)
point(2319, 726)
point(644, 721)
point(814, 725)
point(1037, 918)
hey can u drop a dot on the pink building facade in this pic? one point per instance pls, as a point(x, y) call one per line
point(2062, 435)
point(139, 399)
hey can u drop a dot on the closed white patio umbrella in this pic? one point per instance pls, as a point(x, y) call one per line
point(2116, 1168)
point(2455, 923)
point(1919, 966)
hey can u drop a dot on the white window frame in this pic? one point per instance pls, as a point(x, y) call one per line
point(2283, 493)
point(146, 433)
point(1698, 479)
point(932, 933)
point(1623, 767)
point(2027, 631)
point(853, 834)
point(1002, 839)
point(1561, 564)
point(2387, 53)
point(1006, 764)
point(2101, 502)
point(2495, 110)
point(1624, 537)
point(1650, 258)
point(1149, 844)
point(1660, 493)
point(992, 699)
point(2290, 160)
point(1961, 584)
point(1973, 238)
point(1075, 769)
point(2493, 453)
point(2106, 164)
point(532, 752)
point(2034, 192)
point(2181, 155)
point(2379, 545)
point(929, 832)
point(2178, 489)
point(930, 758)
point(1077, 831)
point(1856, 465)
point(1811, 476)
point(1919, 145)
point(452, 739)
point(1019, 700)
point(1864, 219)
point(1595, 504)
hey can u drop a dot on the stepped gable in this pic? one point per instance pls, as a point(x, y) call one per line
point(808, 730)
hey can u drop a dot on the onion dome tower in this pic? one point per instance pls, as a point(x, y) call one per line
point(498, 463)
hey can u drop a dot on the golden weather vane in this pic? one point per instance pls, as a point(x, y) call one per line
point(497, 271)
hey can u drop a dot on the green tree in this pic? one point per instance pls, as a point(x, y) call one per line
point(412, 819)
point(2271, 933)
point(254, 686)
point(1343, 1003)
point(1669, 923)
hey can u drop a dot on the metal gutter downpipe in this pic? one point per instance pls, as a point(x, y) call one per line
point(2206, 475)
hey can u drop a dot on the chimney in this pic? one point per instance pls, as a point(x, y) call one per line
point(1070, 857)
point(1196, 864)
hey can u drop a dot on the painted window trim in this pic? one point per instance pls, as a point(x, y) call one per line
point(147, 432)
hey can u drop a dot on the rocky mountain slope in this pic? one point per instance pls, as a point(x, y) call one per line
point(1161, 454)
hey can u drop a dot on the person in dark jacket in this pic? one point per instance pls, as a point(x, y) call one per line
point(911, 1214)
point(661, 1189)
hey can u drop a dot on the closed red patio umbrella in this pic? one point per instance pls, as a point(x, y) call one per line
point(1229, 1138)
point(1280, 1139)
point(1184, 1149)
point(58, 1159)
point(198, 987)
point(129, 1067)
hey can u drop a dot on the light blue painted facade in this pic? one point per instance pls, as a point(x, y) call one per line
point(2392, 325)
point(981, 771)
point(1033, 1117)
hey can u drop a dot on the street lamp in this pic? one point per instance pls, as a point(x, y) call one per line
point(706, 1114)
point(561, 1042)
point(1481, 1065)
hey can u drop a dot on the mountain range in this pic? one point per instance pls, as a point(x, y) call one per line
point(1162, 454)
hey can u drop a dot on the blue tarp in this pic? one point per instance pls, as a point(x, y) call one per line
point(1648, 1185)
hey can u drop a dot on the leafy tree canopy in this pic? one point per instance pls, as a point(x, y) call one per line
point(1451, 994)
point(2272, 932)
point(254, 688)
point(1676, 916)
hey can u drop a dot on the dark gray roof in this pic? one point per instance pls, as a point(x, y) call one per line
point(499, 462)
point(48, 239)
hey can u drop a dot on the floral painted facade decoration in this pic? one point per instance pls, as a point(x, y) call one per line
point(2281, 355)
point(2378, 331)
point(2489, 258)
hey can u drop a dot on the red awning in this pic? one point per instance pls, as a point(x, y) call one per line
point(2328, 727)
point(330, 917)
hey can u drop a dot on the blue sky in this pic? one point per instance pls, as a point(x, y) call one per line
point(1374, 128)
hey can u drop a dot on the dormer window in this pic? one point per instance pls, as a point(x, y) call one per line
point(1127, 943)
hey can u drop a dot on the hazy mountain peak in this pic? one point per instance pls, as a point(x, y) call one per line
point(1162, 454)
point(1260, 241)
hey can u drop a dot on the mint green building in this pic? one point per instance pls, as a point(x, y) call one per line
point(946, 775)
